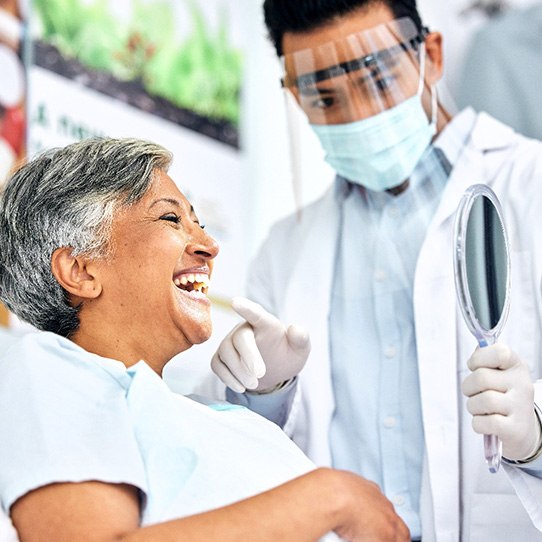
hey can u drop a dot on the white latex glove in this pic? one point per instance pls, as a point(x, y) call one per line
point(501, 400)
point(261, 352)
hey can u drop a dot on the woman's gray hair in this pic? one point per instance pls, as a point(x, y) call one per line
point(66, 197)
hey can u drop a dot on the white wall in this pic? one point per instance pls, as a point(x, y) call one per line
point(457, 24)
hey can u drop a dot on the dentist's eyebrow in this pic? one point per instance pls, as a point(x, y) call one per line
point(316, 91)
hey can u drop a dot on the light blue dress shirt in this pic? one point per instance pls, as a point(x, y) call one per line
point(377, 428)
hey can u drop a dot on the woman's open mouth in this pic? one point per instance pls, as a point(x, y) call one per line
point(195, 283)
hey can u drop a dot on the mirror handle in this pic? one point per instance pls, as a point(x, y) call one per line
point(493, 452)
point(492, 443)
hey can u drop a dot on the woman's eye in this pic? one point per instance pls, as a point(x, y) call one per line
point(171, 218)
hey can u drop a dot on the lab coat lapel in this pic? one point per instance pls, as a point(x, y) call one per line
point(307, 303)
point(474, 164)
point(434, 309)
point(315, 265)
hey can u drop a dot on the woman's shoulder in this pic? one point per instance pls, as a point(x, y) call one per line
point(66, 409)
point(42, 359)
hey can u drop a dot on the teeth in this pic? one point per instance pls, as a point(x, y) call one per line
point(199, 280)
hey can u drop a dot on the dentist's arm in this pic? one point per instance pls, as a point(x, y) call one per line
point(501, 400)
point(260, 353)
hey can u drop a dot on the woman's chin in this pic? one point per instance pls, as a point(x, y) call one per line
point(199, 333)
point(204, 336)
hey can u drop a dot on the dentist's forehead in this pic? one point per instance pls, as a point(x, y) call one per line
point(363, 19)
point(382, 46)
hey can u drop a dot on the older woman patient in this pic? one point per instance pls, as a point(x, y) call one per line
point(104, 255)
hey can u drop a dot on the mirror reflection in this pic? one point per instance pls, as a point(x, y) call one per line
point(486, 262)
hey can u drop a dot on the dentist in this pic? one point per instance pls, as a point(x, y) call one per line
point(367, 271)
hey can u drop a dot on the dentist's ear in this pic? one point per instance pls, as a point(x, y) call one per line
point(292, 94)
point(73, 273)
point(434, 63)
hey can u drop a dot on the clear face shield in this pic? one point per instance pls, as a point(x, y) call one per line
point(362, 97)
point(357, 76)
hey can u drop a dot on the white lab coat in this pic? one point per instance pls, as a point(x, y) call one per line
point(292, 277)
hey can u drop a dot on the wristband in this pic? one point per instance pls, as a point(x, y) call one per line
point(277, 387)
point(538, 452)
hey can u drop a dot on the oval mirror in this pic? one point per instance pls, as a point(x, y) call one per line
point(482, 276)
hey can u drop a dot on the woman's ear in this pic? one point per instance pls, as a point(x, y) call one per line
point(74, 275)
point(434, 64)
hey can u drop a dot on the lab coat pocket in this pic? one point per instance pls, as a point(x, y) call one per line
point(498, 517)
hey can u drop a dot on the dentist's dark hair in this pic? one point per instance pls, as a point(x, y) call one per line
point(66, 197)
point(304, 15)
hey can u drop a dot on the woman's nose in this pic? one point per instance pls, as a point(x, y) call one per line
point(202, 244)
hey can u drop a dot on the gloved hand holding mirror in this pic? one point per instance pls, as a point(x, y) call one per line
point(499, 389)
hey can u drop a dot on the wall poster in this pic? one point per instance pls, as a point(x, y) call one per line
point(166, 70)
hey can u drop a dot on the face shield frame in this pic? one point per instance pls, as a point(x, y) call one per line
point(359, 75)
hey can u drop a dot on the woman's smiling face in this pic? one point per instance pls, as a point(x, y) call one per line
point(154, 286)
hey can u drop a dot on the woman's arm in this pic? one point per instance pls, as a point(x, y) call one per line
point(303, 509)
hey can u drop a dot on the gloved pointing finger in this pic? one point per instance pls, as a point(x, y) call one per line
point(261, 348)
point(253, 313)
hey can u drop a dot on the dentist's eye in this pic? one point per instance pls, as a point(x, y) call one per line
point(171, 217)
point(384, 83)
point(323, 103)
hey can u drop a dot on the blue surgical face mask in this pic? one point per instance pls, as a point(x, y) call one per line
point(380, 152)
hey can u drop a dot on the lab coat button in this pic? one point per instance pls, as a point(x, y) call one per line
point(389, 422)
point(390, 352)
point(380, 275)
point(398, 500)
